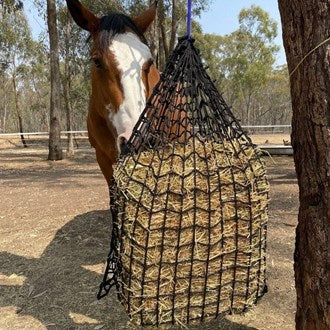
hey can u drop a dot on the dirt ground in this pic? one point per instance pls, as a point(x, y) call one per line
point(54, 238)
point(269, 139)
point(81, 141)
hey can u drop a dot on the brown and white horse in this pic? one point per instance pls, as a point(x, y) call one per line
point(123, 77)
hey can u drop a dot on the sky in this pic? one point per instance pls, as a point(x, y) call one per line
point(36, 22)
point(221, 18)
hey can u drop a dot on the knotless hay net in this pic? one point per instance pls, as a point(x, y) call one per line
point(189, 205)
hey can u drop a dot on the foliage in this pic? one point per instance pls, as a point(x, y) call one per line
point(242, 62)
point(23, 72)
point(11, 5)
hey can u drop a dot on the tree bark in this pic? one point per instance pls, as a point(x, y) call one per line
point(175, 22)
point(154, 36)
point(4, 115)
point(18, 111)
point(165, 45)
point(5, 105)
point(20, 125)
point(162, 28)
point(306, 24)
point(55, 150)
point(160, 61)
point(67, 86)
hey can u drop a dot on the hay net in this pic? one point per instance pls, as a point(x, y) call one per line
point(189, 205)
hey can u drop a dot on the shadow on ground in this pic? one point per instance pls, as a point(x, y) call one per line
point(29, 167)
point(60, 287)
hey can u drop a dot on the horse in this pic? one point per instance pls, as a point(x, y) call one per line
point(123, 77)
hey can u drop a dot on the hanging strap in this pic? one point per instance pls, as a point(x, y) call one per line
point(189, 19)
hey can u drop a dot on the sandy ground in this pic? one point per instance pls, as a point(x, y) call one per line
point(269, 139)
point(81, 140)
point(54, 238)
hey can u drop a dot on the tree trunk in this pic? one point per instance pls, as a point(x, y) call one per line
point(175, 22)
point(154, 36)
point(165, 45)
point(55, 150)
point(306, 24)
point(162, 27)
point(5, 106)
point(67, 86)
point(18, 111)
point(20, 125)
point(4, 115)
point(248, 109)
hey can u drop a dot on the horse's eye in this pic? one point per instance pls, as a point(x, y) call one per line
point(97, 62)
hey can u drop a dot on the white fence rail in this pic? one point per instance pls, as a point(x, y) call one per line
point(41, 133)
point(85, 132)
point(271, 149)
point(267, 126)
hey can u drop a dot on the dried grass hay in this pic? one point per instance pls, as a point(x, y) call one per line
point(193, 221)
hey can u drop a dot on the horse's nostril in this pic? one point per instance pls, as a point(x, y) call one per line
point(122, 141)
point(123, 145)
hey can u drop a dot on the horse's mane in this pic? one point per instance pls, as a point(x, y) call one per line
point(114, 24)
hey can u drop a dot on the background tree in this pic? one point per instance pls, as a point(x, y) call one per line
point(67, 80)
point(305, 26)
point(172, 18)
point(11, 5)
point(55, 150)
point(272, 102)
point(248, 56)
point(245, 74)
point(242, 64)
point(16, 47)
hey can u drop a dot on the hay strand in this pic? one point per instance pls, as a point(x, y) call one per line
point(193, 237)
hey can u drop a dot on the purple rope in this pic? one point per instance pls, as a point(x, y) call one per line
point(189, 19)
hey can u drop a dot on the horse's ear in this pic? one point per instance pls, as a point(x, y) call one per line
point(82, 16)
point(144, 20)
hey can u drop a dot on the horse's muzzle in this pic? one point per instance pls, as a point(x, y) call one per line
point(123, 146)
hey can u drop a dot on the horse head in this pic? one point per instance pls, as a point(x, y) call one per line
point(123, 72)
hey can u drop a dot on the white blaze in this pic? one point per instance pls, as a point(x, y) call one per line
point(130, 54)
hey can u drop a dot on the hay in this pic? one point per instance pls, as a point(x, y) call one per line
point(193, 231)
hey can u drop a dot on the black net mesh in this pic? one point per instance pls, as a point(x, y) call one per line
point(189, 205)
